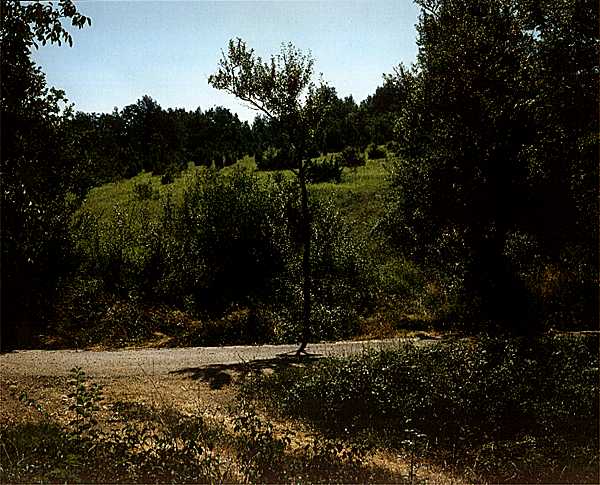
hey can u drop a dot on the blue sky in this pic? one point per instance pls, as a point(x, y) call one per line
point(167, 49)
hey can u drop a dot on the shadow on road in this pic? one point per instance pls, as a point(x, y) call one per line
point(220, 375)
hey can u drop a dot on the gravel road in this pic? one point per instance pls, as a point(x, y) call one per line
point(137, 362)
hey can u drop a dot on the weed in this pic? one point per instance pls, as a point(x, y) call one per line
point(260, 453)
point(85, 398)
point(140, 445)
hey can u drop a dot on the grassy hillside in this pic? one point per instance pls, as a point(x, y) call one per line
point(213, 258)
point(359, 196)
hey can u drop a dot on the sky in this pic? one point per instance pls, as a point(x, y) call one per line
point(167, 49)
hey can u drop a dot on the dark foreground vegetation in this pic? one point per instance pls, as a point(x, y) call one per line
point(497, 410)
point(93, 440)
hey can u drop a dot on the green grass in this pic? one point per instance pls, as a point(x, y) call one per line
point(359, 197)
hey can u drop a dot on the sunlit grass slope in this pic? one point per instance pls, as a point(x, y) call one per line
point(358, 197)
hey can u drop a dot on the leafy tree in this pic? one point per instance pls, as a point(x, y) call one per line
point(380, 109)
point(144, 136)
point(499, 147)
point(99, 143)
point(336, 128)
point(37, 170)
point(224, 135)
point(261, 133)
point(280, 89)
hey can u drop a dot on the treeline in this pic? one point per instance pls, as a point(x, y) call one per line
point(146, 137)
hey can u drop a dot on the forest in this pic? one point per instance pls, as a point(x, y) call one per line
point(457, 203)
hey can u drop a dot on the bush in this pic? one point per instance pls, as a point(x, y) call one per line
point(273, 159)
point(143, 190)
point(227, 242)
point(392, 147)
point(374, 152)
point(258, 158)
point(259, 451)
point(352, 157)
point(168, 177)
point(324, 170)
point(226, 253)
point(340, 274)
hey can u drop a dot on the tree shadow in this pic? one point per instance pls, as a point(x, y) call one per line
point(221, 375)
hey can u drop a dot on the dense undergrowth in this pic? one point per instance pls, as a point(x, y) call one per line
point(215, 261)
point(514, 410)
point(214, 258)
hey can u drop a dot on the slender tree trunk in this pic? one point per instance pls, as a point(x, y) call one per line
point(306, 273)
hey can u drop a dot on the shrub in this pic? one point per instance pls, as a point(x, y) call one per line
point(352, 157)
point(143, 190)
point(392, 147)
point(339, 271)
point(326, 169)
point(225, 243)
point(226, 253)
point(374, 152)
point(258, 158)
point(259, 451)
point(273, 159)
point(228, 240)
point(168, 177)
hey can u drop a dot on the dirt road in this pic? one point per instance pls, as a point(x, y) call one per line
point(156, 362)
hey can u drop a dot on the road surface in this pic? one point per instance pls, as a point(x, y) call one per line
point(137, 362)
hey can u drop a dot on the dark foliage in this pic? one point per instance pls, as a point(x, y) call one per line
point(41, 181)
point(144, 136)
point(352, 157)
point(274, 159)
point(496, 187)
point(374, 152)
point(327, 169)
point(379, 111)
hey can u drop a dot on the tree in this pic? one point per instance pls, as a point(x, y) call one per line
point(37, 170)
point(280, 89)
point(224, 136)
point(499, 146)
point(380, 109)
point(336, 128)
